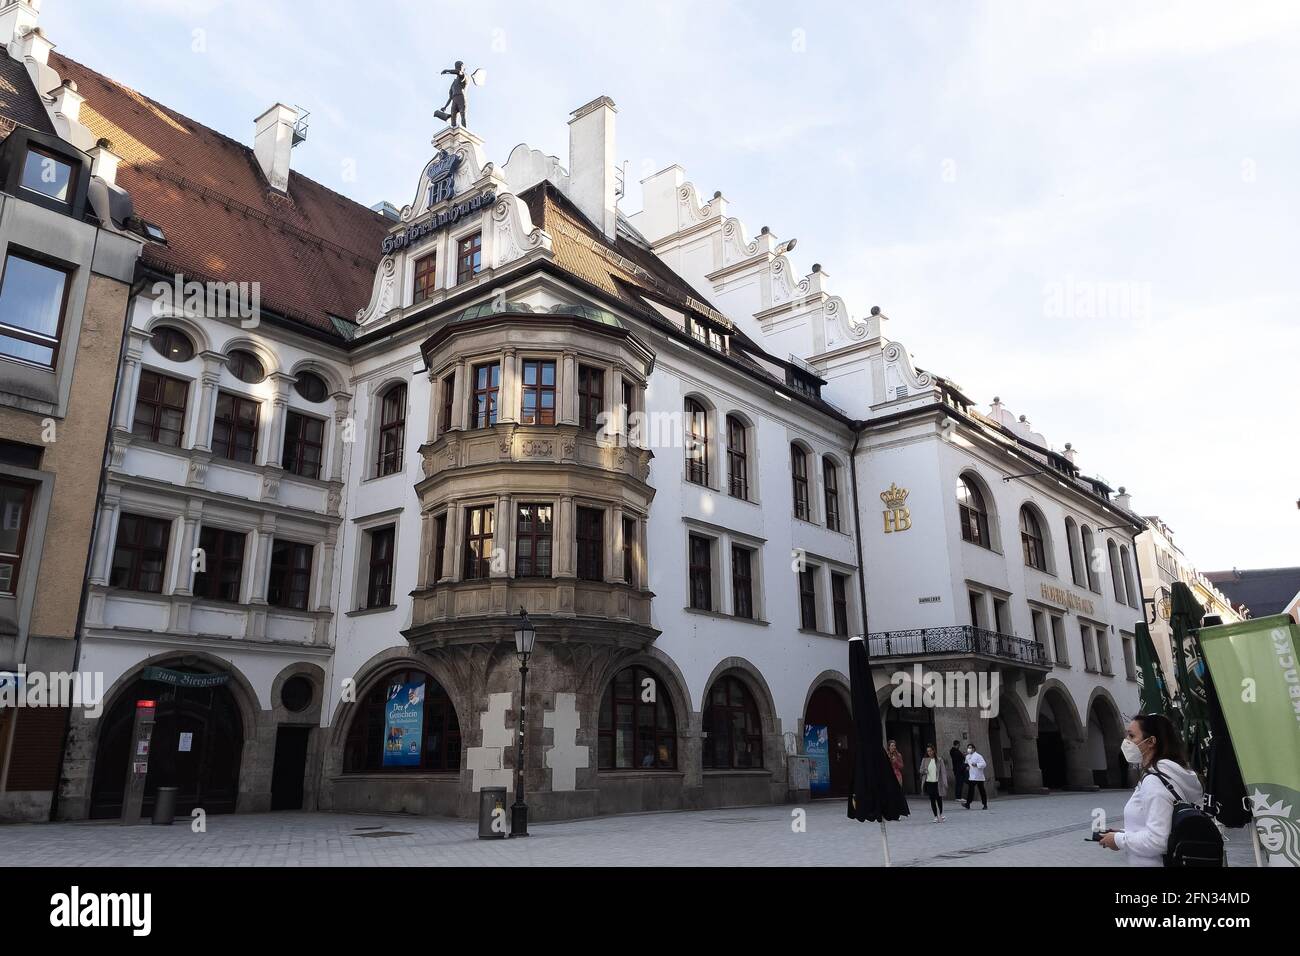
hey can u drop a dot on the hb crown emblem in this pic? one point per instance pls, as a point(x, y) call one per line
point(897, 517)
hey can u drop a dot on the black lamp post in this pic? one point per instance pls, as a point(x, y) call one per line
point(525, 638)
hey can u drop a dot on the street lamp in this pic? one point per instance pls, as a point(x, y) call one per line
point(525, 638)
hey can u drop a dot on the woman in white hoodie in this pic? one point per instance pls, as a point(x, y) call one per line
point(1153, 743)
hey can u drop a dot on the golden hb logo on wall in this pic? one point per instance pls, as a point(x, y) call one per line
point(897, 517)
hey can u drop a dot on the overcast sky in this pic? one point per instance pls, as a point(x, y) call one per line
point(1089, 210)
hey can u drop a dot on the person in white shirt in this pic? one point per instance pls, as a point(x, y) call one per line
point(975, 765)
point(934, 781)
point(1153, 743)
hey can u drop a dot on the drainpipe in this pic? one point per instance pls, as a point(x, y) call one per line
point(857, 531)
point(136, 288)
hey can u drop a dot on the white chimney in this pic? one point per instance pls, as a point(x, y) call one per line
point(1124, 499)
point(272, 142)
point(591, 163)
point(1070, 454)
point(104, 162)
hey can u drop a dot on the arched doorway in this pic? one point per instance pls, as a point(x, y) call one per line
point(913, 729)
point(1105, 733)
point(1051, 751)
point(197, 742)
point(1062, 740)
point(828, 717)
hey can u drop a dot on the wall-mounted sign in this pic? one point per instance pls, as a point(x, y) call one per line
point(1065, 598)
point(186, 743)
point(404, 724)
point(931, 599)
point(438, 222)
point(182, 679)
point(897, 517)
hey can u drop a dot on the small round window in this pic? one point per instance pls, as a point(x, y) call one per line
point(172, 343)
point(311, 387)
point(246, 366)
point(296, 694)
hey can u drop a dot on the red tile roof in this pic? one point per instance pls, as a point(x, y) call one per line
point(315, 252)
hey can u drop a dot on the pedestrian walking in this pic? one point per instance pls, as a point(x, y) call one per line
point(958, 769)
point(896, 760)
point(975, 764)
point(934, 781)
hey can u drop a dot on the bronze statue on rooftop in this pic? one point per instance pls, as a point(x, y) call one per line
point(455, 109)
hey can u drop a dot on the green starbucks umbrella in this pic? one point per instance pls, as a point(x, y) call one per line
point(1153, 692)
point(1185, 614)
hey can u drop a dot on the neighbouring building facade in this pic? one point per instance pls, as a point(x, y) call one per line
point(66, 264)
point(350, 445)
point(1162, 563)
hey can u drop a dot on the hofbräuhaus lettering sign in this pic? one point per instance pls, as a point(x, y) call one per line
point(1065, 598)
point(436, 223)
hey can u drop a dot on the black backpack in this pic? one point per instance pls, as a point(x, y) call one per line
point(1194, 838)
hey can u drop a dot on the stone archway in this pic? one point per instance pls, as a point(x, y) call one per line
point(1105, 733)
point(829, 708)
point(1062, 741)
point(1018, 737)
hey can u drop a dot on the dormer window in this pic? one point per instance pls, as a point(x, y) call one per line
point(706, 334)
point(48, 174)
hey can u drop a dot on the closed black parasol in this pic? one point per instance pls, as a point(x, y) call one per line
point(876, 794)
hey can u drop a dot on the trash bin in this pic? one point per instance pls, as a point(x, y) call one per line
point(164, 806)
point(490, 801)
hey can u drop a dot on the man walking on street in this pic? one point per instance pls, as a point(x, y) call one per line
point(958, 760)
point(975, 765)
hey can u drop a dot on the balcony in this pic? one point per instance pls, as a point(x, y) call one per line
point(962, 640)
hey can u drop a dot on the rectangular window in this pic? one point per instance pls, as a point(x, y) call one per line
point(379, 578)
point(439, 547)
point(1102, 638)
point(1130, 664)
point(290, 581)
point(160, 408)
point(140, 555)
point(976, 608)
point(1001, 623)
point(392, 432)
point(1089, 649)
point(426, 277)
point(591, 397)
point(15, 511)
point(537, 405)
point(840, 600)
point(1061, 651)
point(487, 389)
point(304, 441)
point(480, 524)
point(591, 544)
point(448, 398)
point(469, 257)
point(701, 572)
point(629, 551)
point(1039, 620)
point(808, 599)
point(533, 529)
point(234, 430)
point(742, 582)
point(223, 563)
point(48, 175)
point(33, 296)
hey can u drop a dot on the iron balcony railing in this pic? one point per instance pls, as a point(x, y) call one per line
point(961, 639)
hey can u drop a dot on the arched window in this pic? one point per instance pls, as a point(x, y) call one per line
point(392, 431)
point(974, 515)
point(831, 483)
point(245, 366)
point(733, 734)
point(1116, 576)
point(1072, 544)
point(1091, 559)
point(1127, 564)
point(172, 343)
point(1031, 539)
point(697, 443)
point(799, 476)
point(636, 733)
point(737, 458)
point(404, 723)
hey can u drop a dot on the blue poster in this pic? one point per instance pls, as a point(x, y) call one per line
point(403, 724)
point(816, 743)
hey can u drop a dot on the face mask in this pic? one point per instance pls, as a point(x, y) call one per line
point(1132, 752)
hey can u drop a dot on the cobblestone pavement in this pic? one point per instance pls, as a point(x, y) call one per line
point(1014, 831)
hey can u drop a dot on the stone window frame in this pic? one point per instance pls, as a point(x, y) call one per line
point(723, 540)
point(16, 608)
point(245, 585)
